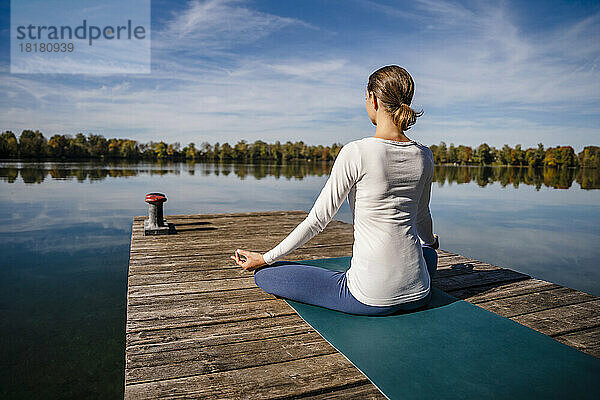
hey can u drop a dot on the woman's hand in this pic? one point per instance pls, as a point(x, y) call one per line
point(249, 260)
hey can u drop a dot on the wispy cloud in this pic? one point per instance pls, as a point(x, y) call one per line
point(214, 26)
point(491, 61)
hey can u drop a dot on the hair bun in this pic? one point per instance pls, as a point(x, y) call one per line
point(404, 116)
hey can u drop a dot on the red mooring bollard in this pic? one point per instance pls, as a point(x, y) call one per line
point(156, 224)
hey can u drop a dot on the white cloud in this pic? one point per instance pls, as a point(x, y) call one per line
point(217, 25)
point(311, 69)
point(490, 61)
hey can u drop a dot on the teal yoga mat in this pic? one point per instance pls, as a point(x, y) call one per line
point(453, 350)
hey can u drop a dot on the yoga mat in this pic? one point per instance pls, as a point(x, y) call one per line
point(453, 350)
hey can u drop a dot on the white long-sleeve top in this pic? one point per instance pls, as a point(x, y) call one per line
point(388, 186)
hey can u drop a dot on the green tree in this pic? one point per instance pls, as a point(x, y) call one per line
point(129, 149)
point(97, 146)
point(226, 152)
point(276, 151)
point(465, 154)
point(217, 151)
point(517, 156)
point(58, 146)
point(505, 156)
point(335, 150)
point(484, 155)
point(147, 151)
point(114, 148)
point(173, 150)
point(535, 157)
point(9, 146)
point(78, 147)
point(206, 150)
point(561, 156)
point(589, 157)
point(288, 150)
point(240, 150)
point(190, 151)
point(440, 156)
point(452, 154)
point(32, 144)
point(160, 150)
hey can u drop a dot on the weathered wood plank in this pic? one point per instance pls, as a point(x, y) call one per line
point(562, 320)
point(503, 290)
point(308, 252)
point(526, 303)
point(230, 239)
point(450, 260)
point(173, 338)
point(218, 273)
point(272, 222)
point(181, 316)
point(210, 359)
point(477, 278)
point(455, 266)
point(237, 230)
point(235, 215)
point(290, 378)
point(223, 298)
point(198, 286)
point(586, 339)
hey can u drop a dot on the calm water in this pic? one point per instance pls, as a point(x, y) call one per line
point(65, 231)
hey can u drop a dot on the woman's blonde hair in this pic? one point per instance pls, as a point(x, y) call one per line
point(394, 87)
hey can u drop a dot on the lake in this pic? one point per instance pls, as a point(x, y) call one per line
point(65, 233)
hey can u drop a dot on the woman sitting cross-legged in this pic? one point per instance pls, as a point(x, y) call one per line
point(387, 180)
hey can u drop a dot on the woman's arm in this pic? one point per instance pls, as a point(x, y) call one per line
point(344, 174)
point(424, 221)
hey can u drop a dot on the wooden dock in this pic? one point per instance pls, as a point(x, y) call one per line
point(199, 327)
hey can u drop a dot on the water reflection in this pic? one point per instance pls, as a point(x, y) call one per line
point(557, 178)
point(38, 172)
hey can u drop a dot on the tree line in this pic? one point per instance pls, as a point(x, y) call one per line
point(560, 156)
point(33, 145)
point(558, 178)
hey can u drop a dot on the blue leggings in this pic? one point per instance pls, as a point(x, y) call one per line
point(322, 287)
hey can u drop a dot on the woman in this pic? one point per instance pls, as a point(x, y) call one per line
point(387, 179)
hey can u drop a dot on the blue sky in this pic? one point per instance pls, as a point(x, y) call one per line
point(485, 71)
